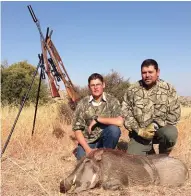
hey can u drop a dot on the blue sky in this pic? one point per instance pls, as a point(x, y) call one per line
point(101, 36)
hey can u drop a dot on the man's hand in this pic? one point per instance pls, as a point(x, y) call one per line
point(148, 132)
point(90, 150)
point(93, 122)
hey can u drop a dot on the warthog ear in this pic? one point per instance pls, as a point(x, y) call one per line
point(98, 154)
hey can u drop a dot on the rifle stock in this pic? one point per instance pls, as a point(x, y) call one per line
point(52, 86)
point(63, 73)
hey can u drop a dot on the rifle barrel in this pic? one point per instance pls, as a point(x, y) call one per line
point(32, 13)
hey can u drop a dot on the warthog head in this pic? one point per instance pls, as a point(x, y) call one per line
point(85, 176)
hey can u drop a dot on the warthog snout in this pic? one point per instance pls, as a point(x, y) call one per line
point(85, 176)
point(113, 169)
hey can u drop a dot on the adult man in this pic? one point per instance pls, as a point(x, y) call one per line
point(151, 110)
point(97, 119)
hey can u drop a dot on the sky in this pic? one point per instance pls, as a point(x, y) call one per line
point(104, 36)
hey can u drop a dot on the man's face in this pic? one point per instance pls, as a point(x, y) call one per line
point(149, 75)
point(96, 88)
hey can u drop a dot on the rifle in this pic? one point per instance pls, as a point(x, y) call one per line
point(54, 66)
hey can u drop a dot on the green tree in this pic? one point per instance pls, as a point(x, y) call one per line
point(15, 82)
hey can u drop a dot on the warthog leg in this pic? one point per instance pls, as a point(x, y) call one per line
point(112, 184)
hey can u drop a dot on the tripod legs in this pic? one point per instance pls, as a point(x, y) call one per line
point(37, 98)
point(22, 104)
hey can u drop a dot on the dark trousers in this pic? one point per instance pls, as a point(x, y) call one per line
point(166, 137)
point(109, 139)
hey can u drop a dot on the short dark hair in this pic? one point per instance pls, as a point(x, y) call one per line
point(95, 76)
point(149, 62)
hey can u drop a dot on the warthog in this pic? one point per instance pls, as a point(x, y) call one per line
point(113, 169)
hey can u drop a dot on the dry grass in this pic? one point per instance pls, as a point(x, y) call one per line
point(34, 166)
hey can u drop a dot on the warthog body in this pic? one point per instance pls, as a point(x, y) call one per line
point(113, 169)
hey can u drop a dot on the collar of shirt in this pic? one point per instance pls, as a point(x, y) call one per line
point(94, 103)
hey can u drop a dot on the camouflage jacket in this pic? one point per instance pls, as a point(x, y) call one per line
point(109, 107)
point(159, 104)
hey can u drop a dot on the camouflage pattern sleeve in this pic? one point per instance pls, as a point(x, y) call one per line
point(130, 122)
point(174, 113)
point(78, 120)
point(116, 108)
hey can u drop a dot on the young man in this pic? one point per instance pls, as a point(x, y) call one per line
point(97, 119)
point(151, 110)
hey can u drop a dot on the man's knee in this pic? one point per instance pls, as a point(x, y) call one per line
point(79, 152)
point(168, 133)
point(114, 131)
point(167, 137)
point(137, 148)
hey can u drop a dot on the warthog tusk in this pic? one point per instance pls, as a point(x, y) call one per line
point(93, 179)
point(74, 180)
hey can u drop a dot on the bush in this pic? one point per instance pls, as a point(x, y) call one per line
point(15, 82)
point(116, 85)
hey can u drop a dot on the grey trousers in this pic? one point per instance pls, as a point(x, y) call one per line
point(166, 137)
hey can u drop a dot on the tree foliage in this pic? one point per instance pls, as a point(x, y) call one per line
point(15, 82)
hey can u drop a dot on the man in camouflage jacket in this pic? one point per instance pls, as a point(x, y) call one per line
point(97, 119)
point(151, 110)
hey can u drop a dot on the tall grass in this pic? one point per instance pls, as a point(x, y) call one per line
point(35, 165)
